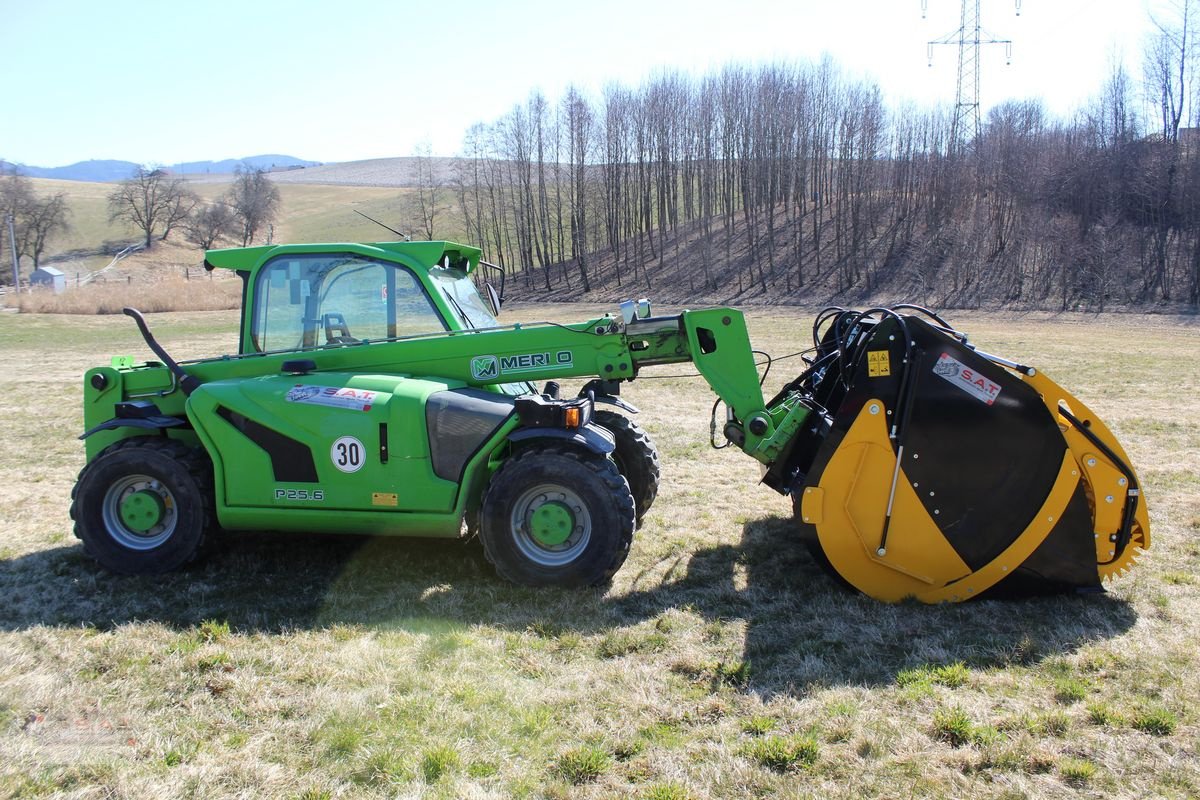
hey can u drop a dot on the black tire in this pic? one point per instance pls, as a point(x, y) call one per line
point(636, 458)
point(173, 485)
point(545, 492)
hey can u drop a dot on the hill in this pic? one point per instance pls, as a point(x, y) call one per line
point(94, 170)
point(107, 171)
point(228, 166)
point(398, 172)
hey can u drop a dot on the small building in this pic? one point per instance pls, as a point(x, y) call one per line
point(50, 278)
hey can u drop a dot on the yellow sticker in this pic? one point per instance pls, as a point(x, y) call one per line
point(879, 364)
point(384, 499)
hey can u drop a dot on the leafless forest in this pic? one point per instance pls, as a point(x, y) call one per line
point(794, 183)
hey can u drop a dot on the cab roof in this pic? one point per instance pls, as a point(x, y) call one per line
point(424, 255)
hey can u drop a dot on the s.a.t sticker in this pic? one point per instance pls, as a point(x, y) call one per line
point(967, 379)
point(332, 396)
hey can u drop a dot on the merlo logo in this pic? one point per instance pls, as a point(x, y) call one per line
point(483, 367)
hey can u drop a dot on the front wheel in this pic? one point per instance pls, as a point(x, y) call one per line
point(636, 458)
point(557, 517)
point(144, 505)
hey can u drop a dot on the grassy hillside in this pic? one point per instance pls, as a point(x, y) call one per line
point(721, 663)
point(308, 213)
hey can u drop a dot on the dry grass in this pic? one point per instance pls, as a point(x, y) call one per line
point(208, 293)
point(721, 662)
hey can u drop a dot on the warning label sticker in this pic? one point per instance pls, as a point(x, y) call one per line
point(344, 397)
point(879, 364)
point(966, 378)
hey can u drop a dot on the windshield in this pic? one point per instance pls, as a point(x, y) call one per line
point(464, 297)
point(314, 300)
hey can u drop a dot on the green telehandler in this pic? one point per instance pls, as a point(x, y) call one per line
point(374, 392)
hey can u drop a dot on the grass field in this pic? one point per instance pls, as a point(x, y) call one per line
point(721, 663)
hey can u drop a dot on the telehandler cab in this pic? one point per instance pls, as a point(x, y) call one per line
point(374, 392)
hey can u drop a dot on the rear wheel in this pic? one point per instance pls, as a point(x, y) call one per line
point(144, 505)
point(636, 458)
point(557, 517)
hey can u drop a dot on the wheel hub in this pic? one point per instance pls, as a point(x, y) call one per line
point(142, 510)
point(139, 512)
point(551, 524)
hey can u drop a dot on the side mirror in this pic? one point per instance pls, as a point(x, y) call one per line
point(493, 299)
point(499, 271)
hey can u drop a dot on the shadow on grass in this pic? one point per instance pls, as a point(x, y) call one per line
point(802, 630)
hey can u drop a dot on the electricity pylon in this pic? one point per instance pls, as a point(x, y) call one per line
point(969, 37)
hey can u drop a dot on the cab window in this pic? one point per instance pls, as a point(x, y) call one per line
point(315, 300)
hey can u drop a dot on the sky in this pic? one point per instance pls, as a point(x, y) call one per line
point(160, 82)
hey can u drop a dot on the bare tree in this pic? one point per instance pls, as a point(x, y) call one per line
point(43, 219)
point(176, 212)
point(834, 191)
point(36, 220)
point(468, 184)
point(149, 201)
point(15, 190)
point(208, 224)
point(15, 196)
point(429, 188)
point(255, 200)
point(579, 127)
point(1171, 65)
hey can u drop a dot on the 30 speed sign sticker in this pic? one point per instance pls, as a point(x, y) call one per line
point(347, 454)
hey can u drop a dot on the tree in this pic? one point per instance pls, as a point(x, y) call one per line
point(36, 220)
point(208, 224)
point(834, 191)
point(150, 200)
point(429, 188)
point(43, 219)
point(15, 194)
point(178, 210)
point(254, 200)
point(1171, 65)
point(15, 190)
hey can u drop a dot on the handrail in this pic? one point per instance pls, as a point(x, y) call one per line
point(133, 248)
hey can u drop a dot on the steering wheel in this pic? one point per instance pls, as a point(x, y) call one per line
point(336, 331)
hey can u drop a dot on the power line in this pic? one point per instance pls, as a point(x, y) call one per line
point(969, 38)
point(12, 242)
